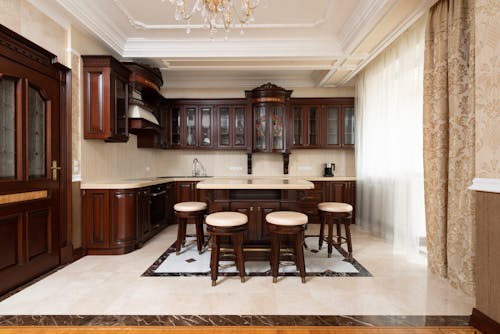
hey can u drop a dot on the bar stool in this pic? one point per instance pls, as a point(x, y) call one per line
point(234, 225)
point(287, 223)
point(189, 212)
point(338, 213)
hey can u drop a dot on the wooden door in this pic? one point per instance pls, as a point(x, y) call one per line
point(30, 176)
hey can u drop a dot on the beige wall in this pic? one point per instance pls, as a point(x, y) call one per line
point(487, 108)
point(23, 18)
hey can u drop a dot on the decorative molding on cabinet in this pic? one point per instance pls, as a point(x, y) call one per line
point(487, 185)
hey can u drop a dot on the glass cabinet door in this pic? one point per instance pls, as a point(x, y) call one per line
point(297, 126)
point(190, 126)
point(332, 126)
point(349, 126)
point(7, 128)
point(277, 130)
point(313, 126)
point(121, 96)
point(239, 127)
point(260, 128)
point(224, 133)
point(205, 126)
point(37, 122)
point(175, 130)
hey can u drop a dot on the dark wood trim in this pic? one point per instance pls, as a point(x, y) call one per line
point(66, 224)
point(482, 322)
point(78, 253)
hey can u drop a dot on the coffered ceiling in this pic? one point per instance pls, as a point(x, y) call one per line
point(293, 43)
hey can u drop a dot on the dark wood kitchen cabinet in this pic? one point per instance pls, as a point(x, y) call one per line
point(105, 99)
point(185, 191)
point(256, 212)
point(117, 221)
point(109, 221)
point(191, 126)
point(271, 118)
point(231, 127)
point(306, 126)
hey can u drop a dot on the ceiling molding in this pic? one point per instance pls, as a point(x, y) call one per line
point(139, 47)
point(97, 23)
point(366, 16)
point(138, 24)
point(407, 23)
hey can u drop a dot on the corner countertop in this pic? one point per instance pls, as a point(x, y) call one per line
point(220, 182)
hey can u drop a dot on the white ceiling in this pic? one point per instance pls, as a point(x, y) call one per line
point(293, 43)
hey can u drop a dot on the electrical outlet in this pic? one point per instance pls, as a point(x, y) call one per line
point(304, 168)
point(235, 168)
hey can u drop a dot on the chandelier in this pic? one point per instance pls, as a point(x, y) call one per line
point(216, 13)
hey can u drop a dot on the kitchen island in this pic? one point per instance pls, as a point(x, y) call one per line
point(255, 197)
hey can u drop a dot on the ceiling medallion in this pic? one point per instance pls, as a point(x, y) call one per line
point(216, 13)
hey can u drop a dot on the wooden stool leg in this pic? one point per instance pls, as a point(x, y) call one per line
point(348, 237)
point(181, 234)
point(339, 233)
point(321, 231)
point(214, 259)
point(275, 256)
point(299, 253)
point(200, 238)
point(330, 237)
point(238, 249)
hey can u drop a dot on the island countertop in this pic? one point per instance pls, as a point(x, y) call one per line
point(255, 183)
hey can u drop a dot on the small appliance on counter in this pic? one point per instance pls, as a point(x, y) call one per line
point(329, 169)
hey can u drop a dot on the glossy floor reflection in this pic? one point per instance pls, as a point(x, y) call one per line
point(111, 285)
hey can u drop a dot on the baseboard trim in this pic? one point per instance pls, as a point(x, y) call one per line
point(78, 253)
point(482, 322)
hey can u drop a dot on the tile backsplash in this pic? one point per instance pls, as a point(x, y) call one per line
point(104, 161)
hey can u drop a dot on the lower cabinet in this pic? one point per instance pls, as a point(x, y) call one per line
point(117, 221)
point(325, 191)
point(186, 191)
point(256, 212)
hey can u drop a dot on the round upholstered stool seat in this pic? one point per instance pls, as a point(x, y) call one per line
point(291, 224)
point(193, 213)
point(335, 207)
point(286, 218)
point(190, 206)
point(226, 219)
point(222, 225)
point(339, 214)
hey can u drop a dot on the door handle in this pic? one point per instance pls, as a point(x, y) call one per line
point(54, 169)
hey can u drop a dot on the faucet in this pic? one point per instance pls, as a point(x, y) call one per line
point(197, 165)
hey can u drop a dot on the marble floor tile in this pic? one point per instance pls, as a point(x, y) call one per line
point(113, 285)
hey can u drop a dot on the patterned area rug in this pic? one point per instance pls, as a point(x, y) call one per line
point(190, 263)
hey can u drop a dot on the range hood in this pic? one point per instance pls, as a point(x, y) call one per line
point(140, 111)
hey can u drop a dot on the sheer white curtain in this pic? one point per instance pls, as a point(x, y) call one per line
point(389, 164)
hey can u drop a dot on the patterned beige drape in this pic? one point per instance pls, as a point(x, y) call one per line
point(449, 135)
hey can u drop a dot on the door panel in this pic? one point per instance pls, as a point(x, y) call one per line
point(32, 129)
point(10, 232)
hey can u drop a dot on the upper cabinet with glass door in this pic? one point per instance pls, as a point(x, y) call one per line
point(306, 125)
point(232, 127)
point(191, 126)
point(271, 119)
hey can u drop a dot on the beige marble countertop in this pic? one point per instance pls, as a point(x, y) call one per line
point(272, 182)
point(255, 183)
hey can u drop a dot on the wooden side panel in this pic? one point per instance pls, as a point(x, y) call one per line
point(123, 218)
point(487, 254)
point(95, 218)
point(10, 233)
